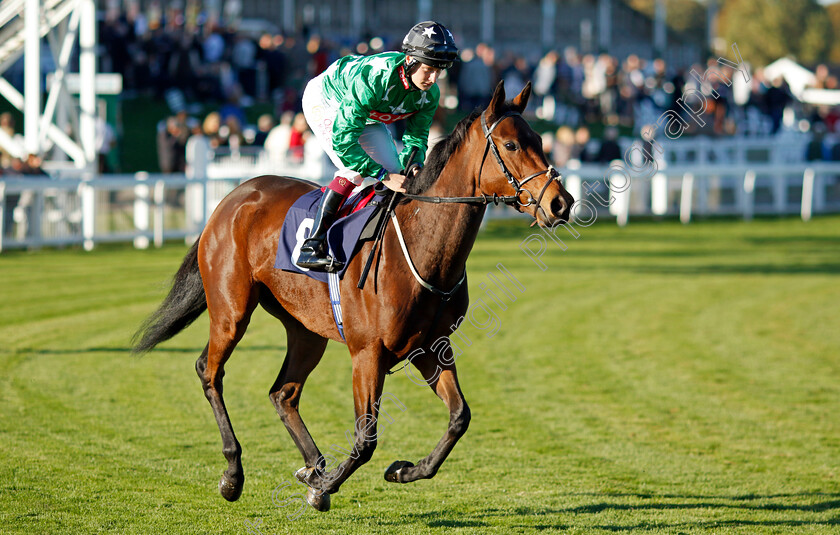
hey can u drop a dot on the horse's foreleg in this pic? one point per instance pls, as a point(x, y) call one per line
point(368, 379)
point(444, 382)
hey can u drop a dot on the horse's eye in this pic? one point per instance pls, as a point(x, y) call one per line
point(510, 145)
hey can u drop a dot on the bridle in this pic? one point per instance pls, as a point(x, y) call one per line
point(483, 199)
point(510, 200)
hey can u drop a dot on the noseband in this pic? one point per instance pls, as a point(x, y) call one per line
point(517, 185)
point(510, 200)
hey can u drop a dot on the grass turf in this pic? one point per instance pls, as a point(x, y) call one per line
point(657, 379)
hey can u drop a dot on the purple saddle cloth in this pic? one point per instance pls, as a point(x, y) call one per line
point(343, 237)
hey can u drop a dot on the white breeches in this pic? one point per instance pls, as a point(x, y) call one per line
point(375, 139)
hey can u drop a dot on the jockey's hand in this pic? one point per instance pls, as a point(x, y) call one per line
point(413, 170)
point(394, 182)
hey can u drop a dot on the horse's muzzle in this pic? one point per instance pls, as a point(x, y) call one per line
point(559, 209)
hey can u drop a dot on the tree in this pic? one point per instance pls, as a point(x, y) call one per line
point(766, 30)
point(834, 16)
point(686, 16)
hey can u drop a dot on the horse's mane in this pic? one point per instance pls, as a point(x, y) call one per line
point(443, 151)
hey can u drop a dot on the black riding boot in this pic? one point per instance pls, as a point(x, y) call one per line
point(314, 254)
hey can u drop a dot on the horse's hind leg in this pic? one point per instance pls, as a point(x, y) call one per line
point(444, 382)
point(229, 318)
point(305, 350)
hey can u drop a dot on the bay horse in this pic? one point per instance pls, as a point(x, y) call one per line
point(230, 270)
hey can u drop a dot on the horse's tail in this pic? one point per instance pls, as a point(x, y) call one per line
point(186, 302)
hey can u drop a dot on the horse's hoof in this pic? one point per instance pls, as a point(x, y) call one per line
point(303, 474)
point(392, 473)
point(318, 499)
point(231, 489)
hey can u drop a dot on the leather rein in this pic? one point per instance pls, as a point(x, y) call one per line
point(510, 200)
point(483, 199)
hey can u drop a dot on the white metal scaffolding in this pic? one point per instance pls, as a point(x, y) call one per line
point(60, 120)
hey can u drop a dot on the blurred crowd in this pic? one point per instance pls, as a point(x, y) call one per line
point(589, 99)
point(222, 131)
point(12, 166)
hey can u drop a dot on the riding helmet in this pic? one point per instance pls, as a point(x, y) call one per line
point(431, 43)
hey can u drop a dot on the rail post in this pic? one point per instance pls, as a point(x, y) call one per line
point(141, 210)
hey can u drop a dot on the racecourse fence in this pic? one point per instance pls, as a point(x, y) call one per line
point(149, 209)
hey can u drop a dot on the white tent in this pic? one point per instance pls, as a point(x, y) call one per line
point(797, 76)
point(821, 97)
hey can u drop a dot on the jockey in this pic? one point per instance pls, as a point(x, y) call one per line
point(347, 108)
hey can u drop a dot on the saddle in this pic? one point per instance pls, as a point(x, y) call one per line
point(357, 222)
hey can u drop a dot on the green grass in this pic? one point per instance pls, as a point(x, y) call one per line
point(655, 379)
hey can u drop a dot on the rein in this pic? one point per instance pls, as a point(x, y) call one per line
point(446, 296)
point(483, 199)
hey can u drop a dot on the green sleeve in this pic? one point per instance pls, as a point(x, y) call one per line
point(349, 123)
point(417, 129)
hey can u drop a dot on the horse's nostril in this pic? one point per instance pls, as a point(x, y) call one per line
point(558, 206)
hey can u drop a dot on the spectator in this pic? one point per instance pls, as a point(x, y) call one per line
point(184, 66)
point(233, 106)
point(275, 63)
point(171, 143)
point(244, 62)
point(609, 150)
point(211, 127)
point(516, 73)
point(545, 77)
point(32, 165)
point(7, 125)
point(105, 141)
point(580, 150)
point(476, 80)
point(231, 133)
point(776, 100)
point(821, 76)
point(817, 150)
point(609, 96)
point(16, 167)
point(213, 47)
point(594, 84)
point(264, 125)
point(297, 138)
point(570, 77)
point(277, 141)
point(564, 140)
point(548, 145)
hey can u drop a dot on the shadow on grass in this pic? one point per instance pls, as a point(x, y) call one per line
point(457, 524)
point(794, 240)
point(718, 524)
point(711, 503)
point(826, 268)
point(737, 503)
point(600, 507)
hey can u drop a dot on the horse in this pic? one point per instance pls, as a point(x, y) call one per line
point(416, 292)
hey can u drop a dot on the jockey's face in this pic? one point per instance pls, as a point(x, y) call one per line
point(425, 76)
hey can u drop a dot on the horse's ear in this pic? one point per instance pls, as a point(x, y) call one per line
point(498, 98)
point(521, 99)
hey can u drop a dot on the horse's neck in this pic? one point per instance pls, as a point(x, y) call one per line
point(440, 236)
